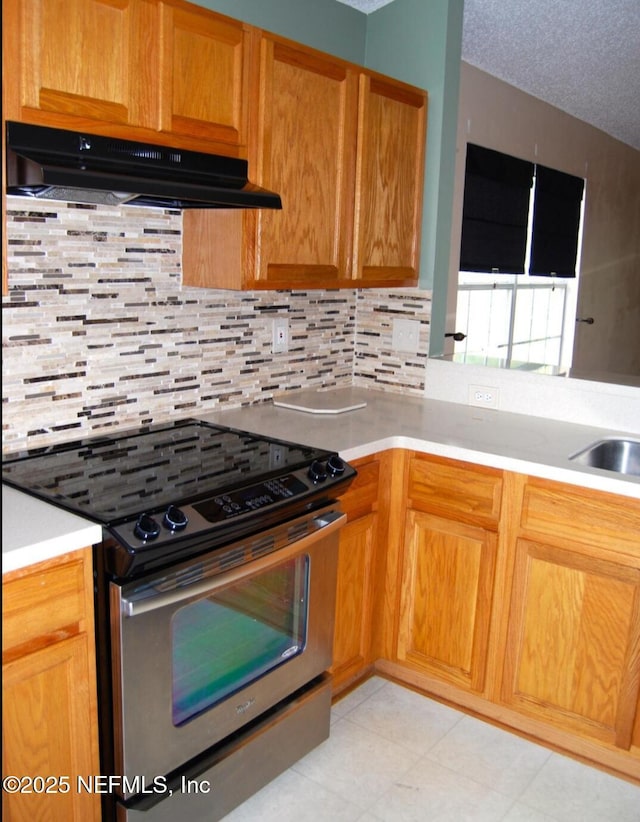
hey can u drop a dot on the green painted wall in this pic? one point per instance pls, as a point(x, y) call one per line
point(418, 41)
point(421, 43)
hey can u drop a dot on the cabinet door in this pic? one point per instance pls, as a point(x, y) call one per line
point(80, 63)
point(45, 732)
point(205, 67)
point(390, 180)
point(49, 714)
point(446, 596)
point(573, 650)
point(352, 639)
point(345, 150)
point(352, 647)
point(308, 119)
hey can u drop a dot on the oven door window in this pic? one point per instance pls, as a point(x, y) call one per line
point(232, 637)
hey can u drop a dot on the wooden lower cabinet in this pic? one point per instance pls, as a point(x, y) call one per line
point(519, 599)
point(573, 651)
point(448, 569)
point(446, 595)
point(514, 597)
point(358, 574)
point(49, 713)
point(572, 655)
point(352, 638)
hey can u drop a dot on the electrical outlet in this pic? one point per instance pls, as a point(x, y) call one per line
point(484, 396)
point(280, 338)
point(405, 335)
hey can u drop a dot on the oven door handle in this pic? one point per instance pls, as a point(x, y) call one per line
point(324, 525)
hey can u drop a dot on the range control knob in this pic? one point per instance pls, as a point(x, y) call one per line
point(335, 466)
point(317, 472)
point(146, 528)
point(175, 518)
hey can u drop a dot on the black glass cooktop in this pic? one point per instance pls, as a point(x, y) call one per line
point(114, 478)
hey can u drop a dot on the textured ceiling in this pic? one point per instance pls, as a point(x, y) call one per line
point(582, 56)
point(366, 6)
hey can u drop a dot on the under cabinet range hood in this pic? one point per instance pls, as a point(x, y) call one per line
point(55, 164)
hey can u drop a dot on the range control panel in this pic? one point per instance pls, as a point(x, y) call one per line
point(189, 519)
point(253, 498)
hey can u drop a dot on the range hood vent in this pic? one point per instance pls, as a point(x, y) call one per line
point(50, 163)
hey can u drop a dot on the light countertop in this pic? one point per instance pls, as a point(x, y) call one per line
point(514, 442)
point(33, 530)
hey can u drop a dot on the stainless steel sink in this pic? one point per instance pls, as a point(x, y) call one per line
point(612, 454)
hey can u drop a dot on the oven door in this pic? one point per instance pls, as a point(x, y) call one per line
point(200, 651)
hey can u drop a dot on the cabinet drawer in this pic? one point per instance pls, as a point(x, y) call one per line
point(466, 492)
point(579, 514)
point(44, 605)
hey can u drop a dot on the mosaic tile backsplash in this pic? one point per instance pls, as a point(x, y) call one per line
point(98, 332)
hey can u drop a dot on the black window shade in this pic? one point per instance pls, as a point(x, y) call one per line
point(495, 216)
point(495, 211)
point(556, 223)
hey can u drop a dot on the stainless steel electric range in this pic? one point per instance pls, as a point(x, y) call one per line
point(215, 597)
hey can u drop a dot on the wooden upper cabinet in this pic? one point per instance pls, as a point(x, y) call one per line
point(389, 184)
point(162, 71)
point(344, 147)
point(82, 63)
point(303, 146)
point(307, 140)
point(205, 73)
point(345, 150)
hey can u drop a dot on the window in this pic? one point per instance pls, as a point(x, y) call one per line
point(511, 322)
point(518, 218)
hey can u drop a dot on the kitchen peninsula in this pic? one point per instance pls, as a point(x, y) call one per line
point(387, 420)
point(482, 566)
point(528, 556)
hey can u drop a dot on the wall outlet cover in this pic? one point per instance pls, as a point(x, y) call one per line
point(405, 336)
point(280, 338)
point(484, 396)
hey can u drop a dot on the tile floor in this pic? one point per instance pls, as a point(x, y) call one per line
point(396, 756)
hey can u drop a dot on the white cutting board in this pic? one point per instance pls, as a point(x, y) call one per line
point(334, 401)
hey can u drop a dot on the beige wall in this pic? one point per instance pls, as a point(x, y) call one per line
point(499, 116)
